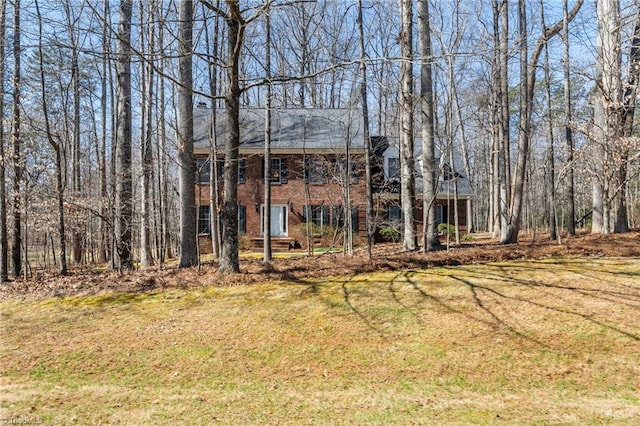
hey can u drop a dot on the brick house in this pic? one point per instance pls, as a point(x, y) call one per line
point(308, 164)
point(308, 161)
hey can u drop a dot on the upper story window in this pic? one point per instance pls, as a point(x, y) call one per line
point(393, 168)
point(202, 170)
point(278, 170)
point(339, 170)
point(315, 171)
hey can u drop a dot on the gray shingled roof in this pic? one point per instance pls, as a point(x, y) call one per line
point(292, 129)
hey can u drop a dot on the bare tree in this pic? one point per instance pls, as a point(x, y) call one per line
point(407, 161)
point(370, 223)
point(4, 244)
point(124, 184)
point(188, 241)
point(430, 240)
point(102, 154)
point(54, 142)
point(71, 24)
point(146, 148)
point(551, 160)
point(16, 160)
point(527, 86)
point(266, 226)
point(568, 131)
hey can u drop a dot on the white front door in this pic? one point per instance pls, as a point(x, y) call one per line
point(278, 220)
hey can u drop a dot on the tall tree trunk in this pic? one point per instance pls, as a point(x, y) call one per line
point(166, 250)
point(607, 110)
point(430, 239)
point(504, 148)
point(75, 146)
point(102, 155)
point(188, 217)
point(214, 192)
point(370, 225)
point(146, 256)
point(4, 243)
point(407, 163)
point(57, 149)
point(16, 159)
point(124, 184)
point(551, 160)
point(568, 132)
point(229, 261)
point(267, 146)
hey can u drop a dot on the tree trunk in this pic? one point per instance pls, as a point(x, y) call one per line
point(407, 174)
point(102, 155)
point(568, 132)
point(267, 147)
point(57, 149)
point(551, 184)
point(504, 148)
point(16, 157)
point(430, 239)
point(124, 184)
point(621, 220)
point(75, 146)
point(214, 192)
point(188, 217)
point(229, 261)
point(367, 137)
point(4, 243)
point(607, 111)
point(146, 256)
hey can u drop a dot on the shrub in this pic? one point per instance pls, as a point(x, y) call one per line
point(447, 229)
point(390, 233)
point(467, 237)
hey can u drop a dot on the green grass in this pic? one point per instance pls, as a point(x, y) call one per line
point(539, 342)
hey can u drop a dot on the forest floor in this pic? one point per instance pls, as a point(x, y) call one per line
point(297, 266)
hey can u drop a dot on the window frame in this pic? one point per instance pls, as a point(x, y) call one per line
point(315, 171)
point(204, 219)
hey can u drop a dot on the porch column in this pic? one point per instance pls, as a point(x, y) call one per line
point(469, 217)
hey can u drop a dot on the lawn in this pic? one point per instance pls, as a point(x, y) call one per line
point(527, 342)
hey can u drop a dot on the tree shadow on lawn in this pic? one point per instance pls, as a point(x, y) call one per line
point(609, 296)
point(500, 301)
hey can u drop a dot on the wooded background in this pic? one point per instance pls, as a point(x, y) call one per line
point(535, 99)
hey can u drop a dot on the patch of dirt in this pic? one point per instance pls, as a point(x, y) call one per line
point(385, 257)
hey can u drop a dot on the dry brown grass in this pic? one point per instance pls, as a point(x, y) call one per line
point(553, 341)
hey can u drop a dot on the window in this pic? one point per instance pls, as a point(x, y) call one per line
point(204, 221)
point(339, 170)
point(393, 168)
point(202, 170)
point(242, 170)
point(338, 218)
point(278, 170)
point(317, 215)
point(395, 214)
point(315, 171)
point(242, 219)
point(439, 214)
